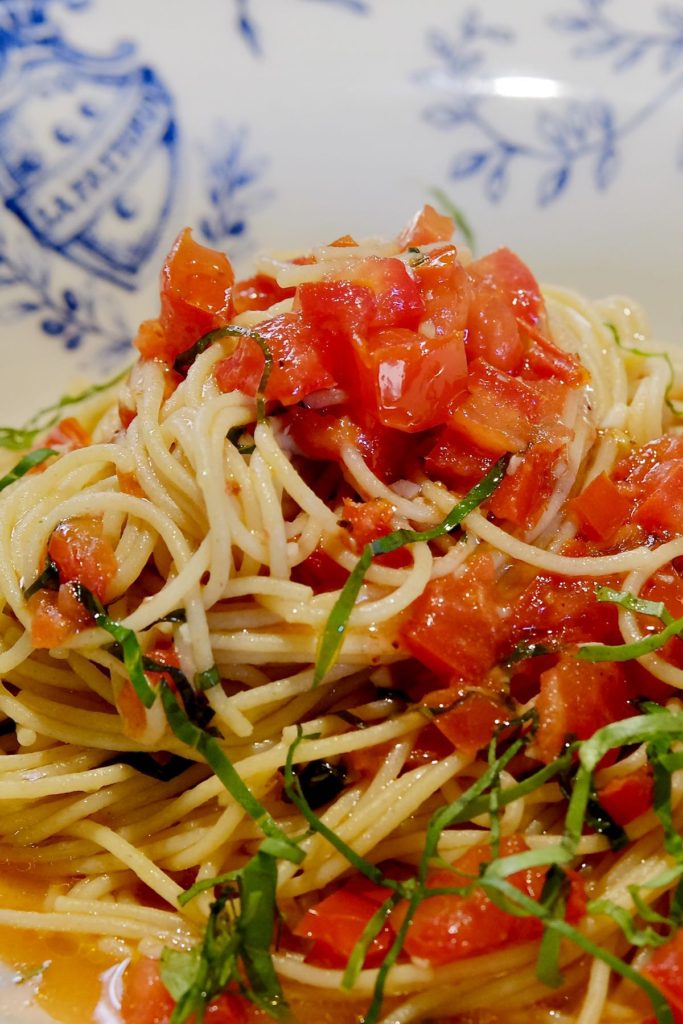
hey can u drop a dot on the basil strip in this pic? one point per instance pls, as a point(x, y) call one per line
point(335, 627)
point(647, 644)
point(18, 438)
point(257, 883)
point(217, 759)
point(177, 615)
point(28, 462)
point(198, 709)
point(47, 580)
point(371, 930)
point(185, 360)
point(207, 679)
point(130, 645)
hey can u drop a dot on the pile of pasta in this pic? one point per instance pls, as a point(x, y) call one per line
point(339, 647)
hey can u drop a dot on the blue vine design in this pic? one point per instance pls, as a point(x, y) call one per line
point(579, 132)
point(232, 188)
point(70, 316)
point(251, 34)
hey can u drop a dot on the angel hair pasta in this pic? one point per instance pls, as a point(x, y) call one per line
point(340, 652)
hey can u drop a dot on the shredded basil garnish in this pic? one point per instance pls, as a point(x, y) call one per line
point(47, 580)
point(207, 679)
point(647, 644)
point(335, 627)
point(147, 764)
point(177, 615)
point(185, 360)
point(28, 462)
point(130, 645)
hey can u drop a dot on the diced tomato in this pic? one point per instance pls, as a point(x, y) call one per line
point(336, 311)
point(544, 360)
point(523, 494)
point(662, 510)
point(564, 609)
point(499, 412)
point(320, 572)
point(196, 298)
point(367, 760)
point(576, 699)
point(445, 928)
point(456, 461)
point(666, 586)
point(456, 626)
point(446, 291)
point(408, 379)
point(626, 798)
point(370, 520)
point(344, 242)
point(468, 718)
point(258, 292)
point(398, 302)
point(515, 282)
point(321, 436)
point(336, 925)
point(492, 331)
point(83, 555)
point(665, 969)
point(601, 508)
point(427, 226)
point(56, 616)
point(146, 1000)
point(242, 369)
point(429, 746)
point(297, 369)
point(67, 436)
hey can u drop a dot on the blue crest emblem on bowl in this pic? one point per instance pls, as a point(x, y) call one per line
point(87, 146)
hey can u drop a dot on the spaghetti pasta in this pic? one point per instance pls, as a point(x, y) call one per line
point(339, 650)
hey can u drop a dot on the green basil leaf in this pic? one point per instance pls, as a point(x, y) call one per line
point(28, 462)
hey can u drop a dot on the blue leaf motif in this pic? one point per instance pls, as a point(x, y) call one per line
point(15, 310)
point(497, 182)
point(553, 128)
point(632, 56)
point(606, 168)
point(569, 23)
point(445, 116)
point(672, 16)
point(672, 55)
point(552, 184)
point(468, 163)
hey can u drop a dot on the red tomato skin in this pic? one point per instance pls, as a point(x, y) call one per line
point(576, 699)
point(145, 999)
point(513, 279)
point(601, 509)
point(336, 924)
point(258, 292)
point(455, 627)
point(320, 572)
point(665, 969)
point(626, 798)
point(455, 461)
point(662, 510)
point(67, 436)
point(563, 609)
point(55, 617)
point(370, 520)
point(410, 381)
point(336, 311)
point(522, 495)
point(470, 717)
point(398, 302)
point(498, 413)
point(446, 928)
point(426, 227)
point(446, 291)
point(492, 331)
point(82, 555)
point(297, 369)
point(196, 298)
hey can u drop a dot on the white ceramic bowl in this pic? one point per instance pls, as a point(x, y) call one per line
point(554, 126)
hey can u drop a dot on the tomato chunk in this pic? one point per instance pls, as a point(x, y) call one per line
point(451, 927)
point(499, 412)
point(337, 922)
point(456, 461)
point(665, 969)
point(626, 798)
point(369, 520)
point(446, 291)
point(427, 226)
point(601, 508)
point(67, 436)
point(145, 999)
point(409, 380)
point(258, 292)
point(56, 616)
point(456, 626)
point(513, 280)
point(468, 718)
point(523, 494)
point(196, 298)
point(576, 699)
point(662, 510)
point(564, 609)
point(398, 302)
point(83, 555)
